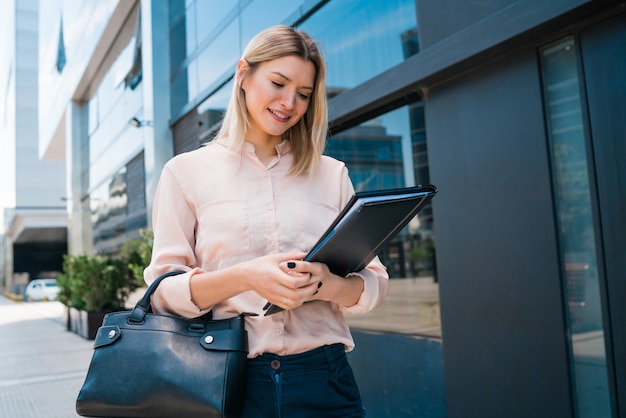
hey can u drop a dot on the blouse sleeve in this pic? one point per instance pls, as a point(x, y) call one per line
point(374, 275)
point(173, 223)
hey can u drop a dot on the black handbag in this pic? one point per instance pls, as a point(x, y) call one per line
point(162, 366)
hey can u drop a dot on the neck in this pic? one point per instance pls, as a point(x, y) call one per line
point(264, 146)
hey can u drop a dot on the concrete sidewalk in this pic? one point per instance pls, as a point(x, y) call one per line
point(42, 365)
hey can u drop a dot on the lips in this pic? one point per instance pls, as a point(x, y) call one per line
point(281, 117)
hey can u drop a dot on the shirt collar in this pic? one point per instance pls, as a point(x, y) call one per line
point(283, 148)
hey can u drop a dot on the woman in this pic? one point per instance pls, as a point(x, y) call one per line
point(239, 215)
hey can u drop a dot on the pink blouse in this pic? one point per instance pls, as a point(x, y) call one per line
point(216, 207)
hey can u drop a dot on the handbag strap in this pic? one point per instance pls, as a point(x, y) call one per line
point(143, 305)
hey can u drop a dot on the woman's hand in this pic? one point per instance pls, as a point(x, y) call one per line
point(276, 278)
point(283, 279)
point(330, 287)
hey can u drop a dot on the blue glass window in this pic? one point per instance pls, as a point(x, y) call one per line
point(382, 153)
point(363, 38)
point(207, 38)
point(570, 172)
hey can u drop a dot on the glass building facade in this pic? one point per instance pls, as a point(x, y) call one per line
point(512, 108)
point(360, 40)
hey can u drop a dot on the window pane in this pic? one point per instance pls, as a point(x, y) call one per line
point(380, 154)
point(260, 14)
point(108, 214)
point(361, 39)
point(207, 38)
point(219, 56)
point(212, 110)
point(118, 208)
point(179, 94)
point(204, 41)
point(576, 233)
point(178, 44)
point(210, 16)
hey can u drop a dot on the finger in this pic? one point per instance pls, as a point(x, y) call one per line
point(290, 267)
point(305, 293)
point(291, 256)
point(301, 281)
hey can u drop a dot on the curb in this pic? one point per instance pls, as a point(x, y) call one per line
point(13, 297)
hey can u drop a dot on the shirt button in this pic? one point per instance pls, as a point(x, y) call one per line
point(270, 207)
point(275, 364)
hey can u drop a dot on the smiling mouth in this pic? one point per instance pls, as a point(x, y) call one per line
point(280, 116)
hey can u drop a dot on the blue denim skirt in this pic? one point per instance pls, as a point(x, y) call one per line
point(317, 383)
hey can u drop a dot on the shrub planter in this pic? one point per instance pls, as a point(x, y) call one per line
point(93, 285)
point(85, 323)
point(68, 321)
point(91, 321)
point(73, 320)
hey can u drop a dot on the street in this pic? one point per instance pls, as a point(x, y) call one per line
point(42, 365)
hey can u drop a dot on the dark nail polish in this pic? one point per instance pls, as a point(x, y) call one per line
point(291, 265)
point(319, 285)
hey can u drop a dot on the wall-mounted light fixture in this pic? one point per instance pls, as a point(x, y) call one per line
point(138, 123)
point(82, 199)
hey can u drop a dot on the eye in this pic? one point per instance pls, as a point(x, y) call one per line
point(277, 84)
point(303, 96)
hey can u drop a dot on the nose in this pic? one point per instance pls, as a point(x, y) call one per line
point(288, 99)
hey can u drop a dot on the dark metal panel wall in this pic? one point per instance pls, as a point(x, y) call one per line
point(447, 17)
point(501, 303)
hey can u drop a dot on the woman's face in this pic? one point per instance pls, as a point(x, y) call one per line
point(277, 96)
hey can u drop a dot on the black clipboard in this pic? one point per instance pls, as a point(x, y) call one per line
point(368, 222)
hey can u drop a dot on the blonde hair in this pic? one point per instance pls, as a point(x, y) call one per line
point(308, 136)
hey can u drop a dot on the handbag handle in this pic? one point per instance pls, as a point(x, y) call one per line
point(143, 305)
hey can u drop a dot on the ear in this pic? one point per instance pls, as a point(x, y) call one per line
point(242, 68)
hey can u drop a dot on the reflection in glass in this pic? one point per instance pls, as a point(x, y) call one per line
point(219, 56)
point(211, 112)
point(375, 154)
point(108, 214)
point(111, 139)
point(260, 14)
point(576, 228)
point(210, 16)
point(208, 36)
point(364, 38)
point(118, 208)
point(361, 39)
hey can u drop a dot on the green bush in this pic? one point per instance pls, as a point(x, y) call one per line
point(104, 283)
point(139, 252)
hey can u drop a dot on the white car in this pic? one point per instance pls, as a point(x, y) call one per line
point(41, 289)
